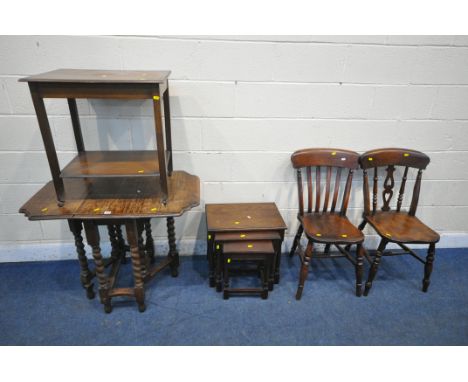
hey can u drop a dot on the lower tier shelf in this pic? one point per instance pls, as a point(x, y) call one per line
point(100, 164)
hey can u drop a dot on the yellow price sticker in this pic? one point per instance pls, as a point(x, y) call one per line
point(154, 209)
point(209, 237)
point(242, 235)
point(333, 153)
point(406, 155)
point(387, 234)
point(217, 246)
point(370, 159)
point(236, 223)
point(156, 98)
point(344, 235)
point(228, 260)
point(249, 245)
point(97, 209)
point(44, 209)
point(140, 171)
point(318, 234)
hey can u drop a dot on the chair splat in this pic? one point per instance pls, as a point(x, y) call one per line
point(387, 192)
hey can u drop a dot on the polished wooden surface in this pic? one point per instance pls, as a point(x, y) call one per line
point(316, 169)
point(395, 157)
point(111, 198)
point(76, 83)
point(88, 164)
point(331, 228)
point(401, 227)
point(243, 216)
point(99, 76)
point(325, 157)
point(240, 222)
point(390, 222)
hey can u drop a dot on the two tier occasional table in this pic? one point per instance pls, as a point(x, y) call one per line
point(242, 222)
point(105, 84)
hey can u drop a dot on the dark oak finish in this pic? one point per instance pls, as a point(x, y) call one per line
point(321, 223)
point(99, 76)
point(108, 199)
point(113, 203)
point(239, 222)
point(72, 84)
point(259, 252)
point(396, 226)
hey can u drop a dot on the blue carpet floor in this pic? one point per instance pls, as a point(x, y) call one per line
point(44, 304)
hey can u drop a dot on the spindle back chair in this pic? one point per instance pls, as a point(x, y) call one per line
point(323, 222)
point(397, 226)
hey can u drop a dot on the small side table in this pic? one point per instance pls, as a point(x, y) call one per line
point(242, 219)
point(259, 252)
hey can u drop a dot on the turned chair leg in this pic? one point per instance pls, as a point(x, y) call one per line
point(296, 241)
point(375, 266)
point(359, 269)
point(428, 267)
point(304, 269)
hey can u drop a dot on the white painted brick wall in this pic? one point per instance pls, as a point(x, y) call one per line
point(240, 106)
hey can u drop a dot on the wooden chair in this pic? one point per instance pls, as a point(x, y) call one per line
point(396, 226)
point(320, 224)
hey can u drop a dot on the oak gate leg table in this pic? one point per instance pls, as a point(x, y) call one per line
point(115, 204)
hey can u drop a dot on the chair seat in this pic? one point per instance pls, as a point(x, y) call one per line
point(401, 227)
point(330, 228)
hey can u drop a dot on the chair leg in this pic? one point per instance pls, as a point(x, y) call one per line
point(375, 266)
point(428, 267)
point(296, 241)
point(359, 269)
point(304, 269)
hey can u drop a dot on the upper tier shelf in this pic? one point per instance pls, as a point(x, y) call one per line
point(98, 164)
point(100, 76)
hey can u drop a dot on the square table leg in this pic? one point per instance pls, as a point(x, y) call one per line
point(209, 255)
